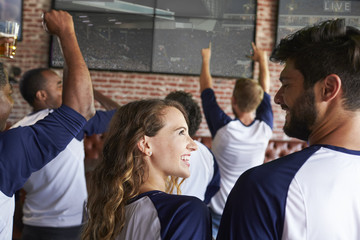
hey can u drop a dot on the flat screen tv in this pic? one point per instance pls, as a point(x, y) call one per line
point(162, 36)
point(296, 14)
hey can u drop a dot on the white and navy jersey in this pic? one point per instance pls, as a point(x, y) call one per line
point(158, 215)
point(27, 149)
point(204, 180)
point(237, 147)
point(311, 194)
point(56, 194)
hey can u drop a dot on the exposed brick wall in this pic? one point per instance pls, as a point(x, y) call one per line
point(123, 87)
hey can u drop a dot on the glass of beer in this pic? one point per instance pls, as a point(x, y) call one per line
point(8, 29)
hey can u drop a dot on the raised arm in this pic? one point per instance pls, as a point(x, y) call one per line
point(105, 101)
point(77, 86)
point(205, 76)
point(264, 74)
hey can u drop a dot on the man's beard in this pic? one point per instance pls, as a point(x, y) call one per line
point(302, 116)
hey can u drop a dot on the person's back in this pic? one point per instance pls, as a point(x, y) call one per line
point(204, 180)
point(237, 148)
point(50, 191)
point(309, 194)
point(157, 215)
point(238, 144)
point(327, 208)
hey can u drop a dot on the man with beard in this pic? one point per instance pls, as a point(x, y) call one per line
point(311, 194)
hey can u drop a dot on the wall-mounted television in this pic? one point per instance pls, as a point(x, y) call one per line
point(162, 36)
point(296, 14)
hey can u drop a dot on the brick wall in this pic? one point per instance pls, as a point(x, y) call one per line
point(123, 87)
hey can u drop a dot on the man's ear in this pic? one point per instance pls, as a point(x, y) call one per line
point(143, 145)
point(331, 87)
point(41, 95)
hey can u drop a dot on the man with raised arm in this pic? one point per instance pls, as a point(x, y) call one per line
point(27, 149)
point(50, 210)
point(238, 144)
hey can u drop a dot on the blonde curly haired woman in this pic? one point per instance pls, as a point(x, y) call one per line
point(146, 151)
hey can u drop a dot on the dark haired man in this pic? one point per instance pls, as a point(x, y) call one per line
point(60, 215)
point(311, 194)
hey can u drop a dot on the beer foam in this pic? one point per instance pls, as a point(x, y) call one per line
point(7, 35)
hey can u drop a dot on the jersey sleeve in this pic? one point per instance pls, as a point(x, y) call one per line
point(264, 111)
point(27, 149)
point(214, 185)
point(215, 117)
point(182, 217)
point(97, 124)
point(255, 207)
point(190, 220)
point(246, 214)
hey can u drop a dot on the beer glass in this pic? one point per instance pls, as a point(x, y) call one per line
point(8, 29)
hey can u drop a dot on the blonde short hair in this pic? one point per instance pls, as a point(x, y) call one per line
point(248, 94)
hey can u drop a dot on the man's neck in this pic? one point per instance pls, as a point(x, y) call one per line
point(246, 117)
point(38, 109)
point(341, 131)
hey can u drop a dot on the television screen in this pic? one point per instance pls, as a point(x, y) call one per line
point(163, 36)
point(296, 14)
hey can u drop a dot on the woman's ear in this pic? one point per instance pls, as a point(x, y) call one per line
point(143, 145)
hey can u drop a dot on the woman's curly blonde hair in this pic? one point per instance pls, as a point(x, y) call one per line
point(119, 176)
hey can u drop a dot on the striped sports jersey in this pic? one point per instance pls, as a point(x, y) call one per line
point(158, 215)
point(311, 194)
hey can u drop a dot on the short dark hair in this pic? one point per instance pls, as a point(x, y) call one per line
point(31, 82)
point(329, 47)
point(191, 107)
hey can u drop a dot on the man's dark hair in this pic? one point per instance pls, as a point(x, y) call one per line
point(31, 82)
point(330, 47)
point(191, 107)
